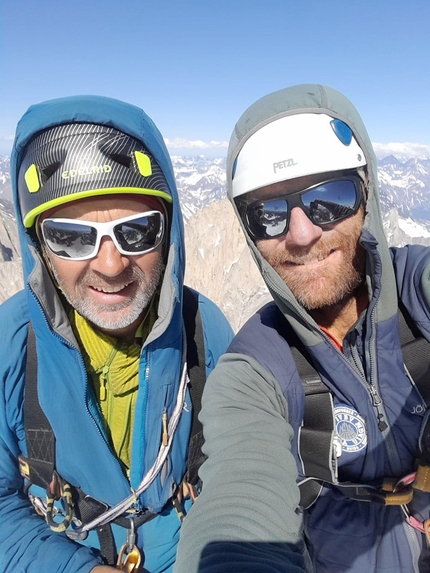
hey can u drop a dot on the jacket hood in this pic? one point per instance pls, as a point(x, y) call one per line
point(162, 355)
point(107, 112)
point(317, 99)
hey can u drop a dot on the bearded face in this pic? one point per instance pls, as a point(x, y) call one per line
point(111, 290)
point(320, 267)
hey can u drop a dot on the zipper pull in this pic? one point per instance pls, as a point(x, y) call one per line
point(165, 437)
point(377, 401)
point(382, 425)
point(103, 379)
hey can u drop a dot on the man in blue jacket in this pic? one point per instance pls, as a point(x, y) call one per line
point(333, 488)
point(103, 257)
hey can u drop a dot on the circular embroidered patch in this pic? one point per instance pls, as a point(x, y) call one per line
point(350, 429)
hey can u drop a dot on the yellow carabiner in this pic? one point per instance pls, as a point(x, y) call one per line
point(129, 558)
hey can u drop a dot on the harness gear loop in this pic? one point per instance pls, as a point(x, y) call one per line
point(129, 558)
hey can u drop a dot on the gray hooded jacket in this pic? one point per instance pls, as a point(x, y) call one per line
point(247, 518)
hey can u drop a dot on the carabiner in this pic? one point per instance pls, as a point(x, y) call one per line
point(129, 558)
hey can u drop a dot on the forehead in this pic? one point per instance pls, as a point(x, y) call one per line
point(112, 204)
point(290, 186)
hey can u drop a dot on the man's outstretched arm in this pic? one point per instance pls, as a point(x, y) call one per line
point(245, 518)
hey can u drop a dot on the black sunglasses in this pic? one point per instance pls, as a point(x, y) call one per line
point(324, 203)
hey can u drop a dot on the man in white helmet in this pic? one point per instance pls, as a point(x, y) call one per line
point(328, 482)
point(97, 415)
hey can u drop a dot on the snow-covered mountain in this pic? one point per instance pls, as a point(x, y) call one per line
point(405, 186)
point(200, 182)
point(5, 186)
point(218, 260)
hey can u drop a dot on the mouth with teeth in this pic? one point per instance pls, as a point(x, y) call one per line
point(110, 289)
point(112, 294)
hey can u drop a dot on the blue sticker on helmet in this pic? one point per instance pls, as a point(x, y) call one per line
point(342, 131)
point(233, 171)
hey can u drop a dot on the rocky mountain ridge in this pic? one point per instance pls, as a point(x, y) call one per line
point(218, 260)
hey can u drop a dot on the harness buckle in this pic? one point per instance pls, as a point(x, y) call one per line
point(398, 492)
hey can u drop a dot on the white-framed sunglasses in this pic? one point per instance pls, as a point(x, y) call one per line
point(77, 240)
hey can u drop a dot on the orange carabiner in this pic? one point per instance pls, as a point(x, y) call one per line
point(129, 558)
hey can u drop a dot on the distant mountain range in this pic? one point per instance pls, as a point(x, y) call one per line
point(404, 185)
point(218, 260)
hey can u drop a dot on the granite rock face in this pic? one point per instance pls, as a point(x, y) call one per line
point(10, 260)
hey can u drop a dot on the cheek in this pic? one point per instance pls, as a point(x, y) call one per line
point(67, 272)
point(269, 246)
point(150, 262)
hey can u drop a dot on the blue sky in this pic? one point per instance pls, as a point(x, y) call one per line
point(194, 66)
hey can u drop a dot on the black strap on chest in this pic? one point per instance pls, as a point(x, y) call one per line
point(196, 360)
point(39, 436)
point(39, 465)
point(317, 431)
point(416, 353)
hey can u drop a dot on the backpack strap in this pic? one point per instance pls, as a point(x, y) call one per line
point(315, 440)
point(38, 432)
point(416, 356)
point(196, 360)
point(416, 353)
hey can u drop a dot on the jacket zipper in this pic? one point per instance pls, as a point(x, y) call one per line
point(85, 377)
point(104, 375)
point(375, 397)
point(373, 391)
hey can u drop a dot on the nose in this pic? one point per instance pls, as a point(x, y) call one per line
point(301, 230)
point(109, 261)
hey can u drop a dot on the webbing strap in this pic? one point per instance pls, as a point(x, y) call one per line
point(416, 356)
point(38, 432)
point(316, 434)
point(416, 353)
point(107, 544)
point(315, 440)
point(197, 372)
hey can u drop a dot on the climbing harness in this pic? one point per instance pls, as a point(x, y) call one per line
point(316, 451)
point(83, 511)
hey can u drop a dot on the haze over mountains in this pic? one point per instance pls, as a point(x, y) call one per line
point(218, 261)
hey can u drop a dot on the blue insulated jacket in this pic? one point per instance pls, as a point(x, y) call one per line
point(83, 455)
point(378, 410)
